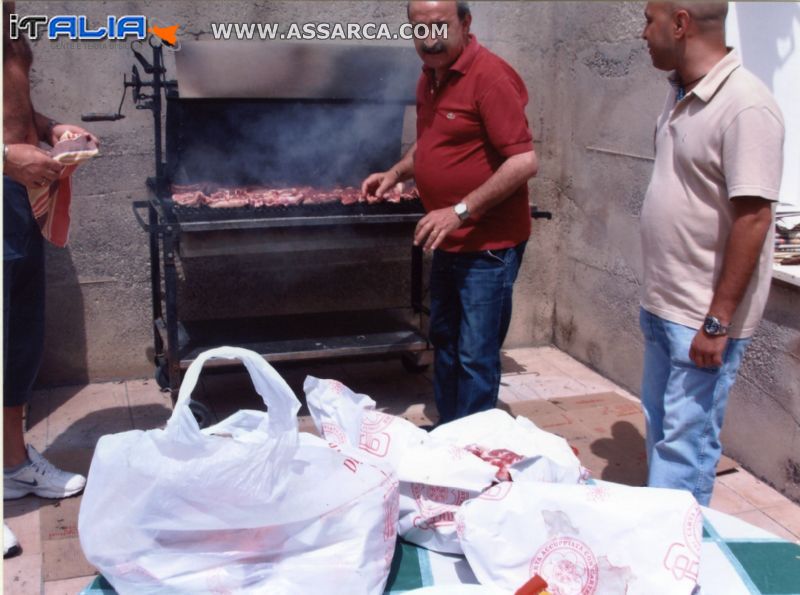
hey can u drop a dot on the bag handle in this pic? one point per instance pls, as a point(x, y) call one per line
point(279, 398)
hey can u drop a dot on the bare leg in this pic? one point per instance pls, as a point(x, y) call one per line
point(14, 452)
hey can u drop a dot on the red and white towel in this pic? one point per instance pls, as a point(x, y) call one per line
point(51, 204)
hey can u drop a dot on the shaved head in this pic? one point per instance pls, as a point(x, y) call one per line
point(707, 16)
point(685, 36)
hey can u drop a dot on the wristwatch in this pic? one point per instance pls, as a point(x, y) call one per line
point(713, 327)
point(462, 210)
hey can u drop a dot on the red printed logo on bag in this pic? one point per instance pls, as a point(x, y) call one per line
point(437, 505)
point(693, 529)
point(391, 510)
point(598, 494)
point(457, 453)
point(461, 526)
point(682, 563)
point(334, 434)
point(496, 492)
point(337, 387)
point(683, 559)
point(375, 421)
point(568, 565)
point(373, 439)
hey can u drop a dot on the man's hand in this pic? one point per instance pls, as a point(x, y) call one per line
point(706, 351)
point(59, 129)
point(30, 166)
point(434, 227)
point(377, 184)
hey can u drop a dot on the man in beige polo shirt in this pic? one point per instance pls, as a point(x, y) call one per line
point(706, 228)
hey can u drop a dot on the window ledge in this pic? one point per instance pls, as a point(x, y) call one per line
point(787, 274)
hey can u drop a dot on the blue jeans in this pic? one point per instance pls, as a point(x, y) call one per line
point(470, 313)
point(23, 295)
point(684, 406)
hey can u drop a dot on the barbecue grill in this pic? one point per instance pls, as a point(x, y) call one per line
point(276, 115)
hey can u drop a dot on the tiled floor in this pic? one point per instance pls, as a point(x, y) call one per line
point(561, 395)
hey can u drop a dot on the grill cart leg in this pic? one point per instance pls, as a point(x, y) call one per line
point(171, 306)
point(162, 374)
point(416, 362)
point(155, 284)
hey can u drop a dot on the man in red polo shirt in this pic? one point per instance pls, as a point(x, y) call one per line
point(471, 162)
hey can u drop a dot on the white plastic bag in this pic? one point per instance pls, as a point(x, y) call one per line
point(435, 477)
point(602, 539)
point(439, 471)
point(242, 507)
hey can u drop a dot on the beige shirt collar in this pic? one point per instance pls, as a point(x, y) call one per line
point(715, 77)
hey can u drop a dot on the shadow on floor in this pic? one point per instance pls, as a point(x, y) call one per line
point(510, 365)
point(624, 452)
point(44, 402)
point(73, 448)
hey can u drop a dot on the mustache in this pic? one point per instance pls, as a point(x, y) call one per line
point(436, 48)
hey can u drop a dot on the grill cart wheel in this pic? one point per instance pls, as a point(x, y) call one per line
point(162, 376)
point(202, 414)
point(412, 364)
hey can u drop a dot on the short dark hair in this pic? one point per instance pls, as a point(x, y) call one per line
point(462, 8)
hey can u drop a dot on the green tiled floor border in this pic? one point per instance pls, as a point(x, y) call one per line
point(407, 571)
point(774, 568)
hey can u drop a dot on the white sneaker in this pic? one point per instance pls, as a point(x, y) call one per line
point(42, 479)
point(10, 544)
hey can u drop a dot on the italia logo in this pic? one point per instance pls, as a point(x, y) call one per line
point(78, 28)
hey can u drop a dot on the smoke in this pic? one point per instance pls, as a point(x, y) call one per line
point(269, 142)
point(315, 114)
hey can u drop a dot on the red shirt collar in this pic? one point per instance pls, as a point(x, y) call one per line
point(464, 60)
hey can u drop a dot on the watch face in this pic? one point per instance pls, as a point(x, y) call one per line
point(712, 326)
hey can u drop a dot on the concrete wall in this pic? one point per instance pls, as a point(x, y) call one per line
point(594, 99)
point(762, 429)
point(610, 97)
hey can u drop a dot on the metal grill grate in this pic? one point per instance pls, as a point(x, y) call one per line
point(205, 213)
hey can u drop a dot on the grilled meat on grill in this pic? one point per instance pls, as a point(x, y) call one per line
point(217, 197)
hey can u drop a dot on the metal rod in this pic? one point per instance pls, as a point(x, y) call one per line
point(619, 153)
point(157, 84)
point(263, 221)
point(155, 280)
